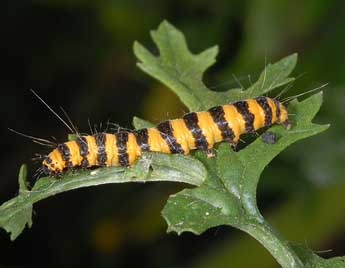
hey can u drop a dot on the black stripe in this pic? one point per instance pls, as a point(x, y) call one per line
point(83, 150)
point(142, 138)
point(218, 117)
point(100, 139)
point(49, 160)
point(85, 163)
point(262, 101)
point(243, 108)
point(277, 104)
point(191, 120)
point(65, 154)
point(166, 133)
point(121, 143)
point(83, 146)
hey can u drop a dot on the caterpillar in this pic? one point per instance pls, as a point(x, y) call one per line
point(195, 130)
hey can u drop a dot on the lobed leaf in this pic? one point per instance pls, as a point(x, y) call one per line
point(178, 68)
point(182, 71)
point(228, 195)
point(15, 214)
point(273, 76)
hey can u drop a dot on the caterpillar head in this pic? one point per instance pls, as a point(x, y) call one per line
point(53, 163)
point(283, 118)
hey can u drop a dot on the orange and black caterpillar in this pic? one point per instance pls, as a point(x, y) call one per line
point(195, 130)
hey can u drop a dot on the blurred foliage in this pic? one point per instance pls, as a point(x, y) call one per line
point(78, 55)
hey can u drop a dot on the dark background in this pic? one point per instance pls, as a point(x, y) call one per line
point(78, 54)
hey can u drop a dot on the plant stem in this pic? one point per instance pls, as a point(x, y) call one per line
point(271, 240)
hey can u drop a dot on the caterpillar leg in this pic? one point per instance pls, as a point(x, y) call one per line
point(269, 137)
point(232, 145)
point(210, 153)
point(286, 124)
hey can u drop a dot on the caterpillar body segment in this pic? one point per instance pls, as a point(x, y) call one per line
point(195, 130)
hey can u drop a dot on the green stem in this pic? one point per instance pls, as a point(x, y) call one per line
point(271, 240)
point(164, 168)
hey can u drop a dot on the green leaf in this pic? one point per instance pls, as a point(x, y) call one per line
point(257, 155)
point(228, 195)
point(178, 68)
point(196, 210)
point(139, 123)
point(72, 137)
point(182, 71)
point(14, 217)
point(16, 213)
point(275, 75)
point(23, 184)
